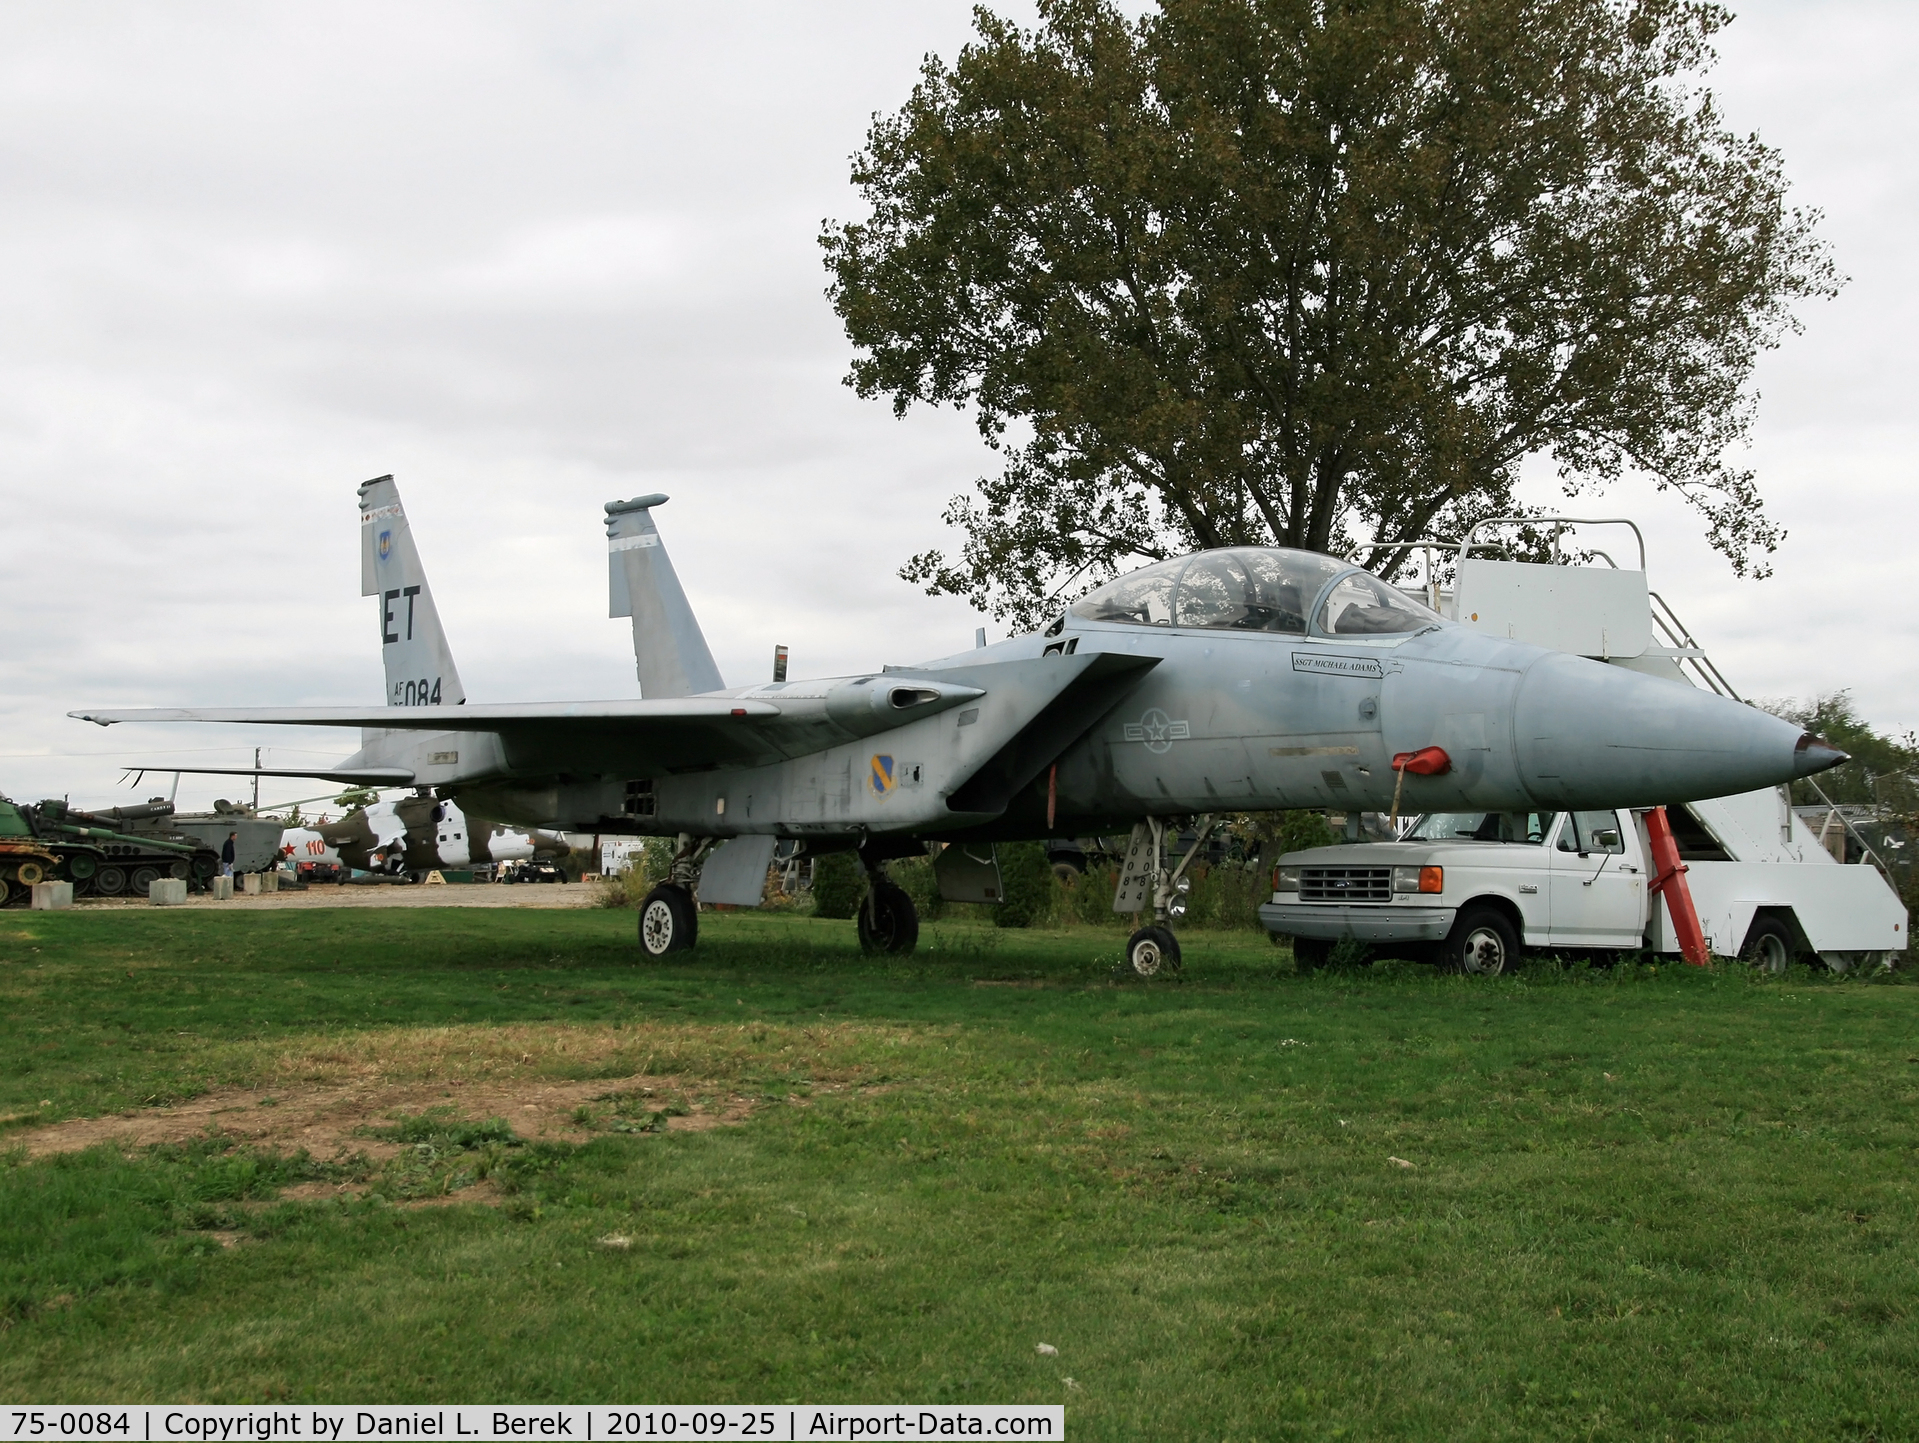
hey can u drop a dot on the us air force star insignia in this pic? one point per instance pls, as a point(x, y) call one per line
point(1157, 730)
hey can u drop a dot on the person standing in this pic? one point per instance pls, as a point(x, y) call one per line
point(226, 854)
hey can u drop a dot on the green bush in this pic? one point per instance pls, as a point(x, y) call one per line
point(1297, 831)
point(1027, 879)
point(839, 885)
point(914, 876)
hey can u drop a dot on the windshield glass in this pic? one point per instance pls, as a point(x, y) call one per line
point(1363, 605)
point(1144, 598)
point(1528, 828)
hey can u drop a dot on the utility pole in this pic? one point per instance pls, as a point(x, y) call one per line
point(256, 779)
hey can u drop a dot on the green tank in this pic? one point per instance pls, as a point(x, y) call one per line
point(130, 860)
point(27, 857)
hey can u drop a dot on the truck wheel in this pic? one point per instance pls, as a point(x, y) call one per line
point(1311, 954)
point(669, 922)
point(1152, 950)
point(1482, 943)
point(888, 922)
point(1768, 946)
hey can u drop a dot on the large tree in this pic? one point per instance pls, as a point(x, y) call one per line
point(1307, 272)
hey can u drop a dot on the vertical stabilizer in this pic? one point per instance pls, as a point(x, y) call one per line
point(419, 664)
point(669, 650)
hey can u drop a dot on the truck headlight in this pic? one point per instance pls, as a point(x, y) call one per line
point(1285, 879)
point(1419, 879)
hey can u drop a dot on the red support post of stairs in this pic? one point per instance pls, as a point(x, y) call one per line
point(1669, 879)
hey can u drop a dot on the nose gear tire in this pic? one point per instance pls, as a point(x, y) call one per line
point(1152, 950)
point(669, 920)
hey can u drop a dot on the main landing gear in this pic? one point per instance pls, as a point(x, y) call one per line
point(887, 921)
point(1146, 876)
point(670, 915)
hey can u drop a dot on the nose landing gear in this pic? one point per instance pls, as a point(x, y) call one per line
point(1154, 949)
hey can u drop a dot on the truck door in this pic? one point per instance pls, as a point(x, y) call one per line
point(1598, 885)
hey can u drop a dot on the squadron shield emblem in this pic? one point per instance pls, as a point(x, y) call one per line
point(882, 776)
point(386, 544)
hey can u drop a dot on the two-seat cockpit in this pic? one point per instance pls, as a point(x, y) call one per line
point(1263, 589)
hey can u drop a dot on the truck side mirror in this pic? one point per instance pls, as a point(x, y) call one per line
point(1608, 840)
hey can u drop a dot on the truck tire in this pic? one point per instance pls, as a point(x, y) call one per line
point(1769, 946)
point(1481, 944)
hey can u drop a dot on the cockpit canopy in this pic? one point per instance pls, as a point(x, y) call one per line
point(1257, 588)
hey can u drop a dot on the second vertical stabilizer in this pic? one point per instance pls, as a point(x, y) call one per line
point(669, 650)
point(419, 664)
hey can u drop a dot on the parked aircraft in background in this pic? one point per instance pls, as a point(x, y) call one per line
point(1239, 680)
point(415, 835)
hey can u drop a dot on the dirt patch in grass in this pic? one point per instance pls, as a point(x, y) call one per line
point(335, 1121)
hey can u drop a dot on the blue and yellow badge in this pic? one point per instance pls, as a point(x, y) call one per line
point(386, 544)
point(882, 777)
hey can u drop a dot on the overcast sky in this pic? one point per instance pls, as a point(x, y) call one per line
point(529, 258)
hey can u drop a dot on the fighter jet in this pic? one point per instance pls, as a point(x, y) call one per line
point(1240, 680)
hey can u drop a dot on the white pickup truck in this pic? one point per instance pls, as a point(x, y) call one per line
point(1471, 890)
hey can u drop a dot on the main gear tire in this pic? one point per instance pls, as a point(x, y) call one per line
point(889, 925)
point(669, 920)
point(1151, 951)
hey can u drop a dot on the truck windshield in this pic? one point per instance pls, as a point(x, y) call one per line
point(1527, 828)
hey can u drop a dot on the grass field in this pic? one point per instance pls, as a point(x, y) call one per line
point(1645, 1203)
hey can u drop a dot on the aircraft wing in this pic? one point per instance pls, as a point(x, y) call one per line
point(353, 776)
point(678, 709)
point(611, 737)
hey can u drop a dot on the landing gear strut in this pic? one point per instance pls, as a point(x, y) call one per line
point(1152, 950)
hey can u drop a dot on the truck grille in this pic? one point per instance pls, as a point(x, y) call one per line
point(1345, 884)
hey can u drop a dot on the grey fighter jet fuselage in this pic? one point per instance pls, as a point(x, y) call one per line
point(1244, 680)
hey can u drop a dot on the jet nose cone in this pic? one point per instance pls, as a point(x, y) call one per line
point(1815, 754)
point(1591, 735)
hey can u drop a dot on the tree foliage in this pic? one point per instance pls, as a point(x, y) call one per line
point(1308, 272)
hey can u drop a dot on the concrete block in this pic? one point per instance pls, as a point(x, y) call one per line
point(250, 884)
point(269, 881)
point(220, 887)
point(168, 892)
point(52, 896)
